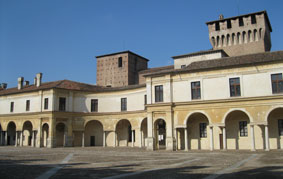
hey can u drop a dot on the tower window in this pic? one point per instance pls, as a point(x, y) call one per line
point(217, 27)
point(241, 21)
point(120, 62)
point(253, 19)
point(229, 25)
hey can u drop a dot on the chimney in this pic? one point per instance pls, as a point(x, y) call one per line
point(26, 83)
point(38, 79)
point(34, 81)
point(221, 17)
point(4, 85)
point(20, 82)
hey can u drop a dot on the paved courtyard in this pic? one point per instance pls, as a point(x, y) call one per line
point(99, 162)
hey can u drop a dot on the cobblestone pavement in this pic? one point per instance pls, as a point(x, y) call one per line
point(99, 162)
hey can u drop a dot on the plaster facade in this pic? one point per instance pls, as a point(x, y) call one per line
point(172, 116)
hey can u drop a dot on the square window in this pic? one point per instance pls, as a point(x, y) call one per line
point(123, 104)
point(195, 90)
point(159, 93)
point(94, 105)
point(62, 104)
point(12, 107)
point(45, 103)
point(27, 105)
point(235, 88)
point(277, 83)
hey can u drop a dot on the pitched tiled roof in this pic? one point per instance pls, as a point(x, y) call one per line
point(67, 85)
point(157, 69)
point(201, 53)
point(226, 62)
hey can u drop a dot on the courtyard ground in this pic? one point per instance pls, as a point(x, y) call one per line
point(99, 162)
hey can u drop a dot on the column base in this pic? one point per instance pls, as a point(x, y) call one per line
point(150, 143)
point(171, 143)
point(69, 141)
point(51, 143)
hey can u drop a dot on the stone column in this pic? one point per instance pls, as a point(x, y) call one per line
point(52, 133)
point(150, 128)
point(133, 139)
point(266, 138)
point(141, 139)
point(83, 139)
point(115, 139)
point(252, 138)
point(211, 138)
point(170, 140)
point(6, 137)
point(16, 141)
point(177, 142)
point(21, 140)
point(224, 138)
point(33, 139)
point(104, 137)
point(39, 134)
point(186, 139)
point(1, 135)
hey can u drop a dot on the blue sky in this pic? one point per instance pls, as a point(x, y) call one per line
point(61, 38)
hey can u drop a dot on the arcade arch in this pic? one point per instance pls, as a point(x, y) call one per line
point(93, 133)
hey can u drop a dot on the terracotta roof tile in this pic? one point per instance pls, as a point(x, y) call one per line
point(67, 85)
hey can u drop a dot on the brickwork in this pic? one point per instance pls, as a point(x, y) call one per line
point(110, 73)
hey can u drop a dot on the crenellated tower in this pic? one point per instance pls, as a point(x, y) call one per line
point(240, 35)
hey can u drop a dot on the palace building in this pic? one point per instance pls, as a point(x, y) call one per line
point(228, 97)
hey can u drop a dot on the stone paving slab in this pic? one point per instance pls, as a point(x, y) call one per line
point(99, 162)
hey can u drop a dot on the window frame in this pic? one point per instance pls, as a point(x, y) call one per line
point(46, 101)
point(195, 90)
point(277, 81)
point(27, 105)
point(62, 106)
point(123, 104)
point(12, 104)
point(94, 105)
point(120, 62)
point(203, 130)
point(243, 128)
point(158, 93)
point(233, 86)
